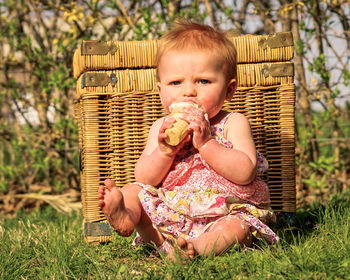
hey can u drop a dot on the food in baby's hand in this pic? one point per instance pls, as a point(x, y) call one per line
point(179, 131)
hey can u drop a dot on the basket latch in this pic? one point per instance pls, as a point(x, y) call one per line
point(278, 70)
point(278, 40)
point(94, 47)
point(97, 229)
point(98, 80)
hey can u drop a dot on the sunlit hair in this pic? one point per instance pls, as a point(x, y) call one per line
point(189, 35)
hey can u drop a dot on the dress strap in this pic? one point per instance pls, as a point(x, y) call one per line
point(217, 131)
point(224, 119)
point(220, 125)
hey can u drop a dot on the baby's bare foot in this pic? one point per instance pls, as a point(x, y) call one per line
point(182, 251)
point(186, 247)
point(111, 201)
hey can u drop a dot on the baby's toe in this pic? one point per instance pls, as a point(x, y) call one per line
point(181, 242)
point(101, 203)
point(109, 184)
point(101, 190)
point(190, 250)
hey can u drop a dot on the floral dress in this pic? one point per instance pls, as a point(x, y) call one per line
point(193, 197)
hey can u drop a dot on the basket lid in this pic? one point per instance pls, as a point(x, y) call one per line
point(108, 55)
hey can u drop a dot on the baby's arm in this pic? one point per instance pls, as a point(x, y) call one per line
point(239, 163)
point(157, 157)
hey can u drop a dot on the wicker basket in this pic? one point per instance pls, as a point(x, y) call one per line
point(117, 101)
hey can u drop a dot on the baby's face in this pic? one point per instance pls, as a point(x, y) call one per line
point(196, 76)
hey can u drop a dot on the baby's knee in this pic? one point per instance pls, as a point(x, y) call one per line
point(130, 190)
point(234, 228)
point(132, 187)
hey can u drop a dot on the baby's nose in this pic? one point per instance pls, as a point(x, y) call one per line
point(190, 91)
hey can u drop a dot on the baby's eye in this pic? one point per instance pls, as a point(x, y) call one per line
point(175, 83)
point(204, 81)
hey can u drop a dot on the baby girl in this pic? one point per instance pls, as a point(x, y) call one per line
point(202, 194)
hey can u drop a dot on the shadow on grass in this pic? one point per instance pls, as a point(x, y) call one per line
point(307, 220)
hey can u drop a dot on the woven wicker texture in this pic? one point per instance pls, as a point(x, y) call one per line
point(114, 119)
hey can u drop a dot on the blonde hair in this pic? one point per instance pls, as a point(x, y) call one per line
point(187, 34)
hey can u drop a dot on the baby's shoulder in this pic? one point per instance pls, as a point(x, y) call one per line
point(235, 118)
point(231, 122)
point(238, 130)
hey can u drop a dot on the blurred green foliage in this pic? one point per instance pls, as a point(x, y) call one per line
point(38, 144)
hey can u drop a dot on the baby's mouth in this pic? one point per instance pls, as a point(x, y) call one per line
point(194, 102)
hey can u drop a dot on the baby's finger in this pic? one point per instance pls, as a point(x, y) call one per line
point(162, 135)
point(167, 123)
point(185, 117)
point(196, 126)
point(169, 119)
point(197, 113)
point(188, 138)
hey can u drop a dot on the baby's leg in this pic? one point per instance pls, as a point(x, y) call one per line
point(223, 235)
point(124, 211)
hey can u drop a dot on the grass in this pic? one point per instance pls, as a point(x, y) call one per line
point(49, 245)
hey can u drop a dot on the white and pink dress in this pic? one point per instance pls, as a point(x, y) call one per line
point(193, 197)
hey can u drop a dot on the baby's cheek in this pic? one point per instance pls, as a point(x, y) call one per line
point(166, 101)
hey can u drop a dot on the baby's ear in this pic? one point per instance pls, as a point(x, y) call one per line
point(159, 93)
point(231, 88)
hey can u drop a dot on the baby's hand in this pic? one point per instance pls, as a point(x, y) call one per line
point(199, 125)
point(162, 136)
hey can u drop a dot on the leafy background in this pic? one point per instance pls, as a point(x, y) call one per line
point(38, 135)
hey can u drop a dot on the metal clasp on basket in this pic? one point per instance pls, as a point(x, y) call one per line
point(94, 47)
point(97, 229)
point(98, 80)
point(278, 69)
point(278, 40)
